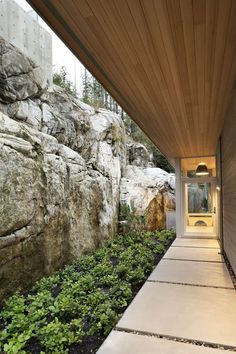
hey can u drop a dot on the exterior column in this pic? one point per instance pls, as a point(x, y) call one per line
point(178, 198)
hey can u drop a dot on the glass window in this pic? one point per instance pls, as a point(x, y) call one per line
point(189, 166)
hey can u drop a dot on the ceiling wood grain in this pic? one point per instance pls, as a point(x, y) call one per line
point(170, 64)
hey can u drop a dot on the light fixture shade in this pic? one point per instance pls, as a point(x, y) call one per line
point(202, 170)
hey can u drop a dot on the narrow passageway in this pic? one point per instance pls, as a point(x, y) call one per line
point(187, 305)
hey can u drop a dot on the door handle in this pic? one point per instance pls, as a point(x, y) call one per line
point(214, 210)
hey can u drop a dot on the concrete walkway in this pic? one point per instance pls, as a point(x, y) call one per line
point(187, 306)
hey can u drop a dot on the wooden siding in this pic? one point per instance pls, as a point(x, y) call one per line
point(169, 63)
point(228, 151)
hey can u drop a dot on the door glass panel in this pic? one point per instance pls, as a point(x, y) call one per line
point(199, 198)
point(199, 211)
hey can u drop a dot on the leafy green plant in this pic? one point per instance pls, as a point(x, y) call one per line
point(103, 319)
point(132, 222)
point(55, 336)
point(120, 294)
point(86, 298)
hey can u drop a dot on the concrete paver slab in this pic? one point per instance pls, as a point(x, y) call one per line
point(192, 312)
point(129, 343)
point(194, 254)
point(197, 242)
point(198, 273)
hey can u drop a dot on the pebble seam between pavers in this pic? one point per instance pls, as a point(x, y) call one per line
point(177, 339)
point(187, 284)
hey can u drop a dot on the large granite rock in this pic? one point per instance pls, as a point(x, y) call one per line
point(54, 204)
point(20, 78)
point(151, 192)
point(137, 155)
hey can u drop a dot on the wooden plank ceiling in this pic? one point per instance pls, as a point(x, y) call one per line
point(170, 64)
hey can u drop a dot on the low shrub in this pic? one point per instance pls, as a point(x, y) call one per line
point(130, 221)
point(83, 300)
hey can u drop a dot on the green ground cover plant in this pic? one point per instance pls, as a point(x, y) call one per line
point(73, 310)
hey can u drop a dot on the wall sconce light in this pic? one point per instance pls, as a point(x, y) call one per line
point(202, 170)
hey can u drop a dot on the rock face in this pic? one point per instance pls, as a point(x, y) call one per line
point(137, 155)
point(61, 168)
point(20, 78)
point(150, 191)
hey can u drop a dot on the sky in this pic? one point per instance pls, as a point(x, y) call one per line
point(61, 55)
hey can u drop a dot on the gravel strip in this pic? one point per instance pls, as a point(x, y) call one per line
point(178, 339)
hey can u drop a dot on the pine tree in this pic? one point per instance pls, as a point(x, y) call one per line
point(61, 79)
point(86, 82)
